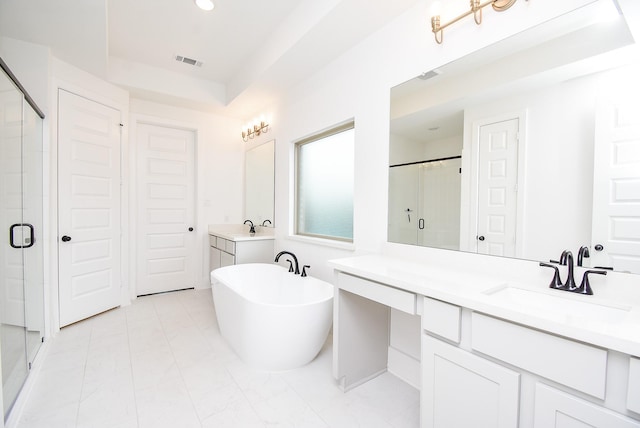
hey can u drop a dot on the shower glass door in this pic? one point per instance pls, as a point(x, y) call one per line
point(424, 207)
point(21, 254)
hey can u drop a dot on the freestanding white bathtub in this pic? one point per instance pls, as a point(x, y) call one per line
point(274, 320)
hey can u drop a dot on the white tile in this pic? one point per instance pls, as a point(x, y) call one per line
point(109, 403)
point(161, 362)
point(209, 401)
point(153, 368)
point(55, 389)
point(63, 416)
point(287, 409)
point(257, 385)
point(166, 404)
point(238, 414)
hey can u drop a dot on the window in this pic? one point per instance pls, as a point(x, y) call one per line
point(324, 184)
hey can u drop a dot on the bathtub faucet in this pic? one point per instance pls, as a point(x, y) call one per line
point(295, 260)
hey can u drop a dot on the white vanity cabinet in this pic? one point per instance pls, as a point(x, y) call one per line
point(479, 370)
point(460, 389)
point(225, 252)
point(482, 363)
point(557, 409)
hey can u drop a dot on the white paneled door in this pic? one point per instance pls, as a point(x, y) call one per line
point(616, 186)
point(497, 188)
point(89, 140)
point(165, 198)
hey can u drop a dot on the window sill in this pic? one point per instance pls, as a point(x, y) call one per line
point(324, 242)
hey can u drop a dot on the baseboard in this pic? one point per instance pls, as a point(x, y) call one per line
point(23, 397)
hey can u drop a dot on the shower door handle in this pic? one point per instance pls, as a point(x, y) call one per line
point(26, 242)
point(421, 224)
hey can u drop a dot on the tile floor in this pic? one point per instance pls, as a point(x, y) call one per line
point(161, 362)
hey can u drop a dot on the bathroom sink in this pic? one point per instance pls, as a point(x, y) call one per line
point(555, 302)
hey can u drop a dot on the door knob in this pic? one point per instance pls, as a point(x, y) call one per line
point(66, 238)
point(481, 238)
point(598, 247)
point(191, 229)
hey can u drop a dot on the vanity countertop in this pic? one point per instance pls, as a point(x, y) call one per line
point(240, 232)
point(612, 323)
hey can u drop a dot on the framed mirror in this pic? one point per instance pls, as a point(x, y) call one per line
point(523, 149)
point(259, 184)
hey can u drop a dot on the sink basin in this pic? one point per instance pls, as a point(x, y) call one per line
point(557, 303)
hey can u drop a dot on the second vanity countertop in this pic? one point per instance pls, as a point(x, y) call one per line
point(611, 323)
point(240, 232)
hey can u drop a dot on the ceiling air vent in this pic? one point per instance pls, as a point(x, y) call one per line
point(189, 61)
point(429, 74)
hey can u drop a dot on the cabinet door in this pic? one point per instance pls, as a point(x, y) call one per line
point(556, 409)
point(226, 259)
point(460, 389)
point(214, 258)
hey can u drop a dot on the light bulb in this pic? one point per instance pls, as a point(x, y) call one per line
point(204, 4)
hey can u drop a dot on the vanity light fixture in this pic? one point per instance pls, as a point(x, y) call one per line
point(476, 10)
point(257, 129)
point(204, 4)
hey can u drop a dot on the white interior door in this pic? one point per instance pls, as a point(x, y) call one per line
point(88, 207)
point(497, 188)
point(616, 185)
point(166, 228)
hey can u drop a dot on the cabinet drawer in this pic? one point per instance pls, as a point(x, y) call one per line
point(213, 241)
point(386, 295)
point(570, 363)
point(442, 319)
point(633, 393)
point(230, 247)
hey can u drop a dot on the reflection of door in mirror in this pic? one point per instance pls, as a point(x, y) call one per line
point(616, 191)
point(427, 209)
point(259, 184)
point(496, 185)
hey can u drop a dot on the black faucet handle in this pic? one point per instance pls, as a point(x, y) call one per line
point(304, 270)
point(585, 287)
point(556, 282)
point(290, 265)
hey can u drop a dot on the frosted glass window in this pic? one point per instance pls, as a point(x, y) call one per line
point(324, 185)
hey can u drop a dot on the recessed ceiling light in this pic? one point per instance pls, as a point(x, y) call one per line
point(204, 4)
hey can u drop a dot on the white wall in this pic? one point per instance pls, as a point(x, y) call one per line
point(30, 64)
point(357, 85)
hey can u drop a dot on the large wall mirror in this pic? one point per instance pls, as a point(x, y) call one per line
point(259, 184)
point(524, 149)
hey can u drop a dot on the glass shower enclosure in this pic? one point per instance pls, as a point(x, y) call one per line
point(21, 248)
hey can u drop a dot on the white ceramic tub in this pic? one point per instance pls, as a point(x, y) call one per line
point(274, 320)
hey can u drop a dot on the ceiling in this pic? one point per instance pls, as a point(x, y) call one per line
point(251, 51)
